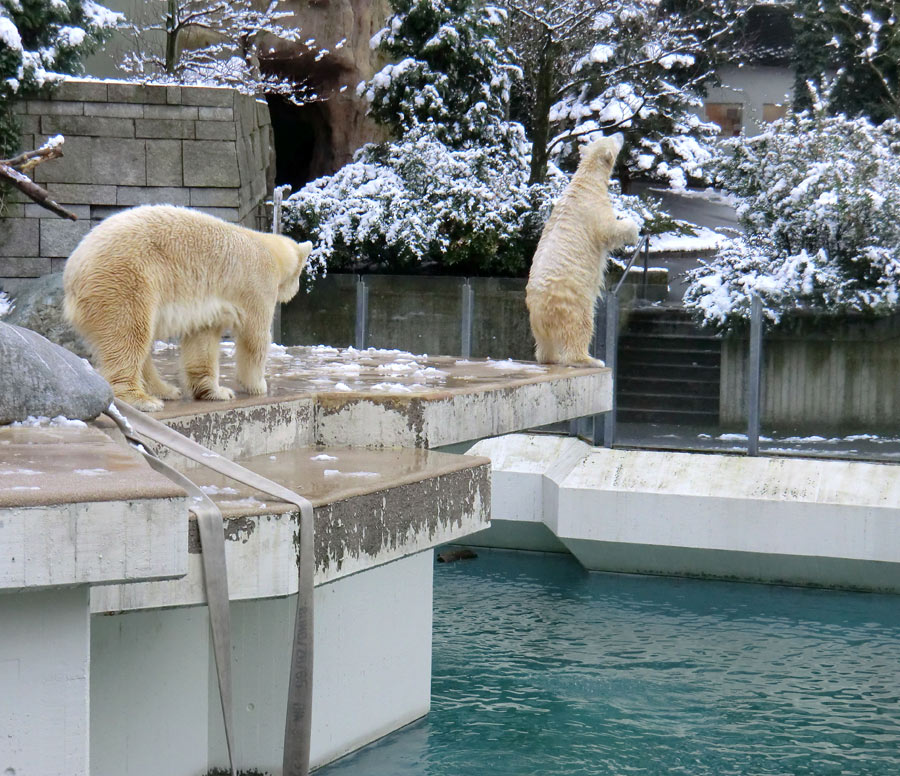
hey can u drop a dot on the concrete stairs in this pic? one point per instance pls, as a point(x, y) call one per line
point(668, 370)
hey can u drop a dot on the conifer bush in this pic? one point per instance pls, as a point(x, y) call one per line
point(818, 198)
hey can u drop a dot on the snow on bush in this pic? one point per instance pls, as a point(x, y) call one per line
point(418, 201)
point(448, 69)
point(819, 197)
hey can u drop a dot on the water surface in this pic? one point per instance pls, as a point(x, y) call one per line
point(543, 668)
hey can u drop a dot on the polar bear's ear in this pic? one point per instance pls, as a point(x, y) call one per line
point(619, 140)
point(303, 251)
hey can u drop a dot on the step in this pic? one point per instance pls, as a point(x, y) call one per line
point(666, 386)
point(77, 508)
point(670, 342)
point(371, 507)
point(389, 398)
point(794, 521)
point(666, 326)
point(667, 402)
point(663, 356)
point(687, 418)
point(637, 370)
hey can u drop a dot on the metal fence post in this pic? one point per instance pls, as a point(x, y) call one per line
point(595, 429)
point(754, 376)
point(277, 198)
point(646, 262)
point(611, 357)
point(362, 312)
point(468, 315)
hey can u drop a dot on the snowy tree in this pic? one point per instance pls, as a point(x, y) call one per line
point(447, 71)
point(40, 42)
point(857, 44)
point(638, 66)
point(217, 42)
point(819, 202)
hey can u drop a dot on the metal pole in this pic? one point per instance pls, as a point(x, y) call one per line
point(646, 261)
point(598, 351)
point(277, 197)
point(754, 376)
point(612, 344)
point(362, 312)
point(468, 315)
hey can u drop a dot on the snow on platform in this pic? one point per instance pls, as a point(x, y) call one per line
point(382, 398)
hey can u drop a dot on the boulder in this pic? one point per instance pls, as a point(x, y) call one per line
point(42, 379)
point(38, 305)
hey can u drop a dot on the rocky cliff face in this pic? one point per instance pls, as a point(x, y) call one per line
point(317, 139)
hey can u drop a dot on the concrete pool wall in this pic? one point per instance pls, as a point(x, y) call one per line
point(776, 520)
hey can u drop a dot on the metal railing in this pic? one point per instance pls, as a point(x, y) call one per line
point(601, 429)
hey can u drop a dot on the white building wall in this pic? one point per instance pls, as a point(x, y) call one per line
point(752, 87)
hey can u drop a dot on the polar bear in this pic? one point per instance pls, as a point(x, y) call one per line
point(568, 268)
point(160, 271)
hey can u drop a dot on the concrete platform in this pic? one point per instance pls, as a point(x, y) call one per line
point(77, 508)
point(371, 507)
point(778, 520)
point(382, 398)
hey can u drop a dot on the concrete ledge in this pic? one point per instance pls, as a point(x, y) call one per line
point(783, 520)
point(371, 507)
point(387, 398)
point(111, 519)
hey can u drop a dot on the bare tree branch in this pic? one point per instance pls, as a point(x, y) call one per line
point(13, 171)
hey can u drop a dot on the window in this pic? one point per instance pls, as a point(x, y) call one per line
point(728, 115)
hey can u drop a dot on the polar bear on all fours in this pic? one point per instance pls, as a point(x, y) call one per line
point(569, 265)
point(160, 271)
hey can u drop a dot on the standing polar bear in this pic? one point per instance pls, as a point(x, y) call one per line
point(159, 271)
point(568, 268)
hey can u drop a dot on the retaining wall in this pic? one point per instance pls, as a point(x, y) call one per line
point(129, 144)
point(839, 376)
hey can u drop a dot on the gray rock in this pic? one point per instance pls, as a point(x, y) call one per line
point(42, 379)
point(38, 305)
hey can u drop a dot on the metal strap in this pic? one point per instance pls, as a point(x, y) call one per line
point(298, 720)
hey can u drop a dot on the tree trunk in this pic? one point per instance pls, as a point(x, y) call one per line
point(171, 36)
point(543, 101)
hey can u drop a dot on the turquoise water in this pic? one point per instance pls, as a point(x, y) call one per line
point(542, 668)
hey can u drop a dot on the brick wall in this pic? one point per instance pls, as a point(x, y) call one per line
point(128, 144)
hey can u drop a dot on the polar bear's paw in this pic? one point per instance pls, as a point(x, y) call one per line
point(212, 393)
point(167, 391)
point(220, 393)
point(257, 387)
point(629, 231)
point(141, 401)
point(583, 361)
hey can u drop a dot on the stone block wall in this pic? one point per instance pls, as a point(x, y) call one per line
point(129, 144)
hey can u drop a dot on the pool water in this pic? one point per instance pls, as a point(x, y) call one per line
point(542, 668)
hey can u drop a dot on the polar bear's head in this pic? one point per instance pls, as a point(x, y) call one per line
point(600, 155)
point(296, 255)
